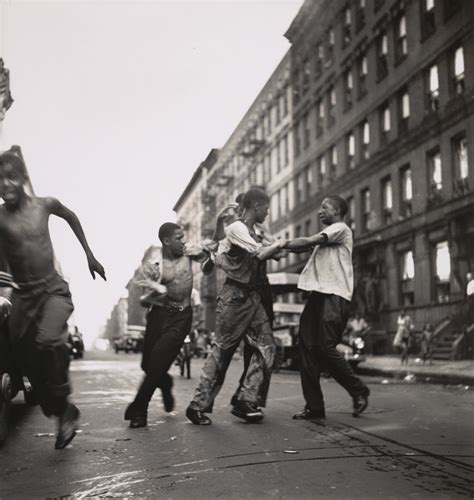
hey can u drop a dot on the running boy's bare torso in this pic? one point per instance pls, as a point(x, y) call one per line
point(25, 240)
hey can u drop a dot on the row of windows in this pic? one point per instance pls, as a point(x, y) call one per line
point(324, 114)
point(352, 17)
point(441, 270)
point(434, 172)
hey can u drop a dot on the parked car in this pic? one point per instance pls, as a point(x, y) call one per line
point(287, 354)
point(130, 342)
point(76, 344)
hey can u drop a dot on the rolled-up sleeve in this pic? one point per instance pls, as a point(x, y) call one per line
point(335, 233)
point(238, 234)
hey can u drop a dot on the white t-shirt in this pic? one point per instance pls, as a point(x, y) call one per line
point(329, 269)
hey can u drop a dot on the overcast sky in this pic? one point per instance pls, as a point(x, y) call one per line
point(117, 103)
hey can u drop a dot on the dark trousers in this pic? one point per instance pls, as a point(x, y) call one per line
point(165, 332)
point(38, 326)
point(321, 326)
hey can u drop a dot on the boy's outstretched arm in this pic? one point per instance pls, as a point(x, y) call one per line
point(58, 209)
point(305, 243)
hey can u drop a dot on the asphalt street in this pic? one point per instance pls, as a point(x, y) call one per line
point(414, 441)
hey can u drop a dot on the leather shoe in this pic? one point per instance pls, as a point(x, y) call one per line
point(360, 402)
point(137, 418)
point(168, 399)
point(307, 414)
point(197, 417)
point(247, 411)
point(68, 425)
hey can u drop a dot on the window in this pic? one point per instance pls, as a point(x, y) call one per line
point(285, 101)
point(278, 156)
point(365, 201)
point(385, 123)
point(458, 84)
point(401, 44)
point(351, 213)
point(348, 86)
point(365, 128)
point(296, 87)
point(297, 140)
point(428, 24)
point(283, 198)
point(406, 192)
point(333, 163)
point(407, 275)
point(266, 169)
point(277, 111)
point(347, 26)
point(319, 61)
point(300, 188)
point(433, 159)
point(362, 72)
point(287, 198)
point(306, 131)
point(387, 200)
point(382, 56)
point(307, 227)
point(432, 89)
point(321, 172)
point(403, 110)
point(284, 147)
point(306, 76)
point(320, 117)
point(360, 15)
point(442, 268)
point(332, 106)
point(331, 41)
point(461, 165)
point(308, 175)
point(350, 151)
point(450, 8)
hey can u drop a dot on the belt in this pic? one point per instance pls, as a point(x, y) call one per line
point(172, 308)
point(249, 287)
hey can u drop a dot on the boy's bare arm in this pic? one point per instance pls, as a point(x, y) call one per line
point(57, 208)
point(306, 243)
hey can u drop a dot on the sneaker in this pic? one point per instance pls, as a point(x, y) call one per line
point(168, 399)
point(307, 414)
point(137, 418)
point(68, 425)
point(360, 402)
point(247, 411)
point(197, 417)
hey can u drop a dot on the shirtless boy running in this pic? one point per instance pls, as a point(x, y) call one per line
point(169, 318)
point(41, 304)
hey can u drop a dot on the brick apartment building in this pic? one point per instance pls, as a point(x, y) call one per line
point(373, 101)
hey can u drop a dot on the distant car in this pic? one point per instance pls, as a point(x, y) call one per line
point(76, 345)
point(128, 343)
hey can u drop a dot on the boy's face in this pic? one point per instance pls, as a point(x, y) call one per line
point(176, 243)
point(12, 184)
point(261, 211)
point(328, 212)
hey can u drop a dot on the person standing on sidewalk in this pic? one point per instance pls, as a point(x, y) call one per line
point(41, 300)
point(168, 277)
point(240, 315)
point(328, 277)
point(403, 336)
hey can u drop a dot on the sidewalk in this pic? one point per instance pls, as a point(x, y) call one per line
point(440, 372)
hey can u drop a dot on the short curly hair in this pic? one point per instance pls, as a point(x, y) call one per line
point(10, 158)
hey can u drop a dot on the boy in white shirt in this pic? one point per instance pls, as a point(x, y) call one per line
point(328, 276)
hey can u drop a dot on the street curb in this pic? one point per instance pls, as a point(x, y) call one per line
point(430, 377)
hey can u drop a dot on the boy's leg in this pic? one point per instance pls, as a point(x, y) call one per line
point(334, 318)
point(310, 365)
point(174, 328)
point(259, 336)
point(234, 313)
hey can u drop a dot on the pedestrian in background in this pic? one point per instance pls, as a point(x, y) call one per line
point(426, 342)
point(402, 338)
point(328, 277)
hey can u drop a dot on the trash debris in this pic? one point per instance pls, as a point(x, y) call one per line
point(466, 387)
point(385, 381)
point(410, 378)
point(417, 360)
point(173, 438)
point(254, 444)
point(291, 452)
point(44, 434)
point(123, 439)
